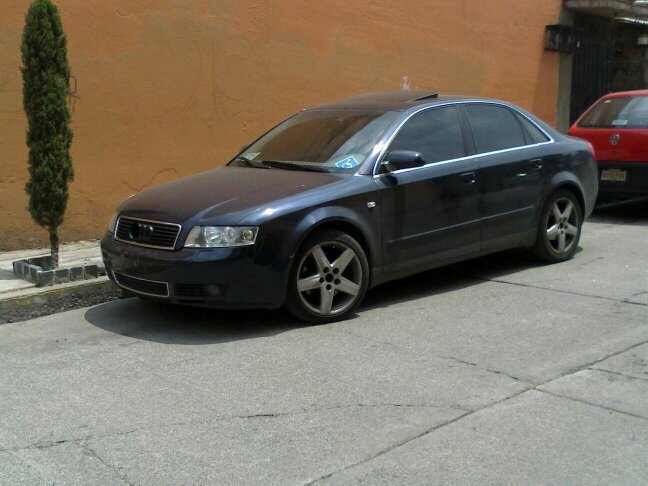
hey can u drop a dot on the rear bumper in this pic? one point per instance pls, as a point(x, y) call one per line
point(227, 278)
point(636, 179)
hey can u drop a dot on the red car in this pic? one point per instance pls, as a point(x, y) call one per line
point(617, 127)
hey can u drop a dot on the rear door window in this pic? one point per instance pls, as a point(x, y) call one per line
point(622, 112)
point(494, 127)
point(435, 133)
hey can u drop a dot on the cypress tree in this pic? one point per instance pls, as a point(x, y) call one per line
point(46, 84)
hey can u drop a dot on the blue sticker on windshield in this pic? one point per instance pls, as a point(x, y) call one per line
point(349, 163)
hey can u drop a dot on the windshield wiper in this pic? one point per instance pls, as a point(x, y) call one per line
point(250, 163)
point(289, 166)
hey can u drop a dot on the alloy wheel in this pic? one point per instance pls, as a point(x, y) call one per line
point(562, 225)
point(329, 278)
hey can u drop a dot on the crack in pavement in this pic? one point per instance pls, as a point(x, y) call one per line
point(384, 451)
point(456, 419)
point(580, 400)
point(619, 374)
point(79, 440)
point(549, 289)
point(120, 474)
point(450, 358)
point(490, 370)
point(614, 354)
point(369, 338)
point(408, 440)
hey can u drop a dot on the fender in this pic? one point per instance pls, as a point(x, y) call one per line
point(332, 214)
point(565, 179)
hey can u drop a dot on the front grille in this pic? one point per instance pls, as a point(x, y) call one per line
point(142, 286)
point(153, 234)
point(190, 290)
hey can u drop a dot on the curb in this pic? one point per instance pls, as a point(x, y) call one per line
point(72, 296)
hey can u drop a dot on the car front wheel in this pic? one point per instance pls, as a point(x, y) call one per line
point(560, 227)
point(329, 278)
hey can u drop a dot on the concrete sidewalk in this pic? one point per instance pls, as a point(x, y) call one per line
point(20, 299)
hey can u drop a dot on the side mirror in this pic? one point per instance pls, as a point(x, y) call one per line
point(403, 159)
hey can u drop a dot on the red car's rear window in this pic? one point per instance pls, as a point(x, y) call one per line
point(621, 112)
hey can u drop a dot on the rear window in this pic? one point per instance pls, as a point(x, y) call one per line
point(624, 112)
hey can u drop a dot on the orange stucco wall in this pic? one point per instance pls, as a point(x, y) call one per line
point(173, 87)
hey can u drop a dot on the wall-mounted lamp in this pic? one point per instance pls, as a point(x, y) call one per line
point(559, 38)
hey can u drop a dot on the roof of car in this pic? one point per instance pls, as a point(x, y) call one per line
point(390, 100)
point(621, 94)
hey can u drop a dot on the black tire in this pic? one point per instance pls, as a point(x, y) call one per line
point(555, 249)
point(310, 304)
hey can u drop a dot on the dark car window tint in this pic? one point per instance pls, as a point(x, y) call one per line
point(533, 132)
point(494, 128)
point(622, 112)
point(435, 133)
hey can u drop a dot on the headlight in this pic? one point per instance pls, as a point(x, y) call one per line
point(221, 236)
point(113, 222)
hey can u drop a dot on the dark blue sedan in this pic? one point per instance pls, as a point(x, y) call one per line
point(348, 195)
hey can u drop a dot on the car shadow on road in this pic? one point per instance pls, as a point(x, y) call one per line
point(451, 278)
point(170, 324)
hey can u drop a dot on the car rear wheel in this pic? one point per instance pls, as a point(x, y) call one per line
point(329, 278)
point(560, 227)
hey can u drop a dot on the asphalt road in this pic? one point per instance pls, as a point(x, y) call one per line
point(497, 370)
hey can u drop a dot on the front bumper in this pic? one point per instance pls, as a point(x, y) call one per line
point(636, 179)
point(228, 278)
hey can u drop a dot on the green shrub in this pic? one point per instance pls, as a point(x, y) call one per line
point(46, 84)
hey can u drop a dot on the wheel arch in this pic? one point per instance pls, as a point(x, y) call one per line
point(570, 186)
point(345, 225)
point(295, 303)
point(566, 180)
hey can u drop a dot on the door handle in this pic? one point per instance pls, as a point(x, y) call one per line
point(468, 177)
point(536, 163)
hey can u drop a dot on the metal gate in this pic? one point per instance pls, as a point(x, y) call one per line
point(593, 61)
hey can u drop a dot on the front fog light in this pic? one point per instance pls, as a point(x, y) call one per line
point(221, 236)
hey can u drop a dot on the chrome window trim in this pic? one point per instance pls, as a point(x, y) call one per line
point(166, 284)
point(475, 156)
point(175, 242)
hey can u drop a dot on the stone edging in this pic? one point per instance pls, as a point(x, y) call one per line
point(39, 271)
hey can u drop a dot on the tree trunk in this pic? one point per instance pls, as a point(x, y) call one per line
point(54, 246)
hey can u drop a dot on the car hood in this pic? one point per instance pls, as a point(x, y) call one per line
point(221, 196)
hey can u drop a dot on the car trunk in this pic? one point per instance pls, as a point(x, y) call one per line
point(623, 145)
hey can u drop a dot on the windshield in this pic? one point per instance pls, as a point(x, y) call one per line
point(624, 112)
point(322, 140)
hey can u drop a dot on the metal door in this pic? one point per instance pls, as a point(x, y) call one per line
point(593, 61)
